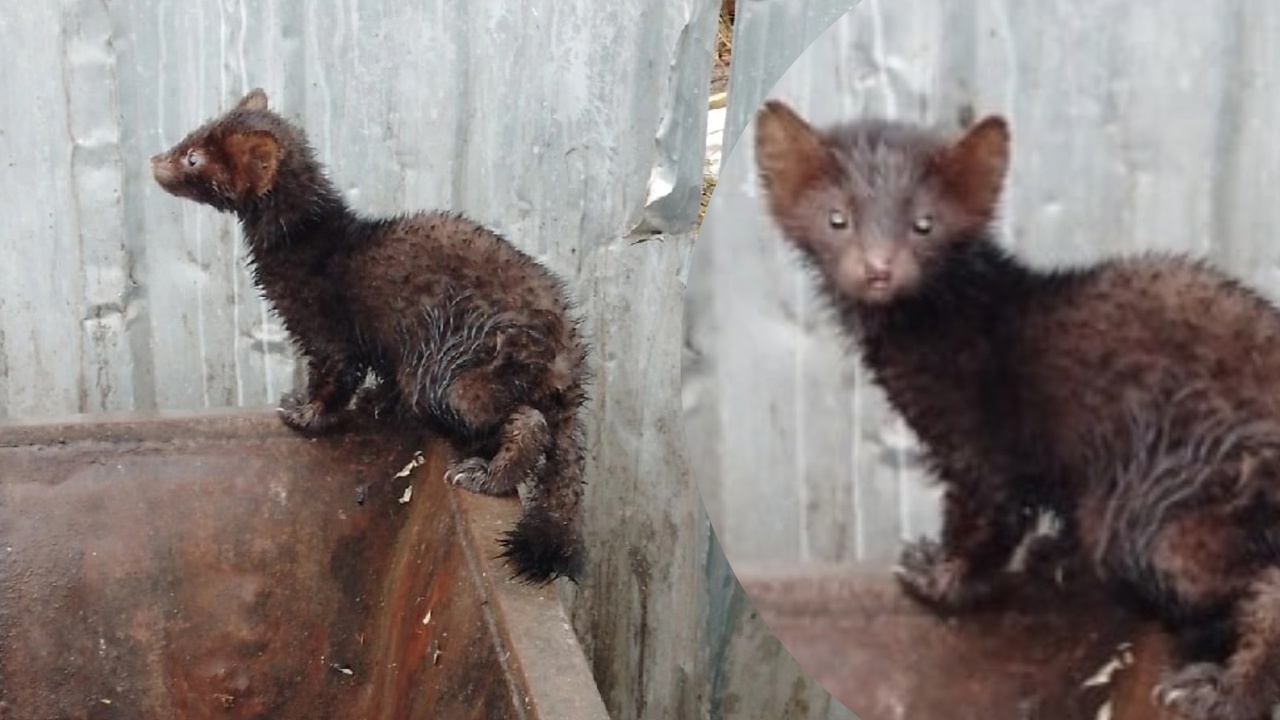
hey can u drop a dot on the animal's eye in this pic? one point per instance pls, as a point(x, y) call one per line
point(838, 219)
point(922, 225)
point(193, 158)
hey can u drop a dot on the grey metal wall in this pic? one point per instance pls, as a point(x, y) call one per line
point(544, 119)
point(1135, 127)
point(575, 127)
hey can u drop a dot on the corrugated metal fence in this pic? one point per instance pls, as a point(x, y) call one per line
point(120, 297)
point(575, 127)
point(1134, 127)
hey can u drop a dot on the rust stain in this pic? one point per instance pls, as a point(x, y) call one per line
point(220, 567)
point(885, 659)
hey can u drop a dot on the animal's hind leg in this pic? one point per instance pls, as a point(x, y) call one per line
point(1247, 686)
point(521, 451)
point(547, 542)
point(498, 440)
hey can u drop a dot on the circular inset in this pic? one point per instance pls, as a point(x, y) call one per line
point(940, 388)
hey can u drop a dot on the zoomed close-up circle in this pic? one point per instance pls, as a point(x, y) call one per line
point(982, 359)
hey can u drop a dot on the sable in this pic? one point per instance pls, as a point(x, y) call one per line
point(457, 328)
point(1135, 398)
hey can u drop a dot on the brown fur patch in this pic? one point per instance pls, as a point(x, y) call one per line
point(254, 157)
point(1199, 555)
point(974, 168)
point(790, 155)
point(254, 100)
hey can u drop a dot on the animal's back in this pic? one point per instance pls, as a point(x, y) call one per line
point(417, 267)
point(424, 256)
point(1153, 321)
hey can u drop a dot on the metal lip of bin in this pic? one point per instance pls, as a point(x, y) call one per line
point(1069, 653)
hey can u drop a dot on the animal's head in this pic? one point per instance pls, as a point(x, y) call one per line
point(878, 205)
point(231, 160)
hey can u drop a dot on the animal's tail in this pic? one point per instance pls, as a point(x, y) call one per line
point(547, 541)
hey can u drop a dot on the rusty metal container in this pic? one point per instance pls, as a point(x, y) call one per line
point(1039, 655)
point(220, 566)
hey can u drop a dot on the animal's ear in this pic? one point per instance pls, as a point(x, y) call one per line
point(973, 168)
point(255, 157)
point(790, 155)
point(255, 99)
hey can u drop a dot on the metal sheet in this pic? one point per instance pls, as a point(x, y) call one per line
point(221, 566)
point(887, 659)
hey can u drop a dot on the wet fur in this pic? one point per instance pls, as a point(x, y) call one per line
point(458, 328)
point(1136, 398)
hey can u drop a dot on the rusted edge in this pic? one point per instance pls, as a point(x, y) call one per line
point(872, 590)
point(537, 644)
point(222, 423)
point(866, 590)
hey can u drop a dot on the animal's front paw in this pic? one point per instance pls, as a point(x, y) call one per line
point(929, 576)
point(1199, 692)
point(471, 473)
point(1053, 560)
point(305, 415)
point(379, 401)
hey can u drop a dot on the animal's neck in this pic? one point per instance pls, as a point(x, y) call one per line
point(939, 350)
point(964, 296)
point(302, 204)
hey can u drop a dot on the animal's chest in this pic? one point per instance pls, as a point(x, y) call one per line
point(308, 299)
point(933, 387)
point(965, 409)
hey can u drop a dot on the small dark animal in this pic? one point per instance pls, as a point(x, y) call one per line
point(1137, 399)
point(459, 328)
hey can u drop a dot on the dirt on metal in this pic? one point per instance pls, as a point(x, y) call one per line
point(1067, 654)
point(220, 566)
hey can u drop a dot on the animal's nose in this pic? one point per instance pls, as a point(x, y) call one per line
point(878, 270)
